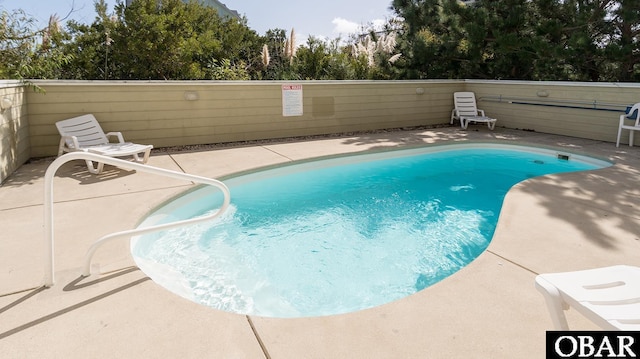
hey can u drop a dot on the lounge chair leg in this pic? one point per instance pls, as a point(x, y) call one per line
point(555, 304)
point(61, 146)
point(145, 157)
point(94, 170)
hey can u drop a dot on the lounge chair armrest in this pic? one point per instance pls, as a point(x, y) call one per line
point(117, 134)
point(68, 142)
point(481, 112)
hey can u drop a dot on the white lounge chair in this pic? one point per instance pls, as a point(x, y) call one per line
point(633, 114)
point(609, 296)
point(84, 133)
point(465, 111)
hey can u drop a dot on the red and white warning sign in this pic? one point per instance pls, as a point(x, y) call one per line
point(292, 100)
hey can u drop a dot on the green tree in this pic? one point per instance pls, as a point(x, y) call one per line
point(377, 52)
point(551, 41)
point(433, 39)
point(17, 39)
point(90, 47)
point(279, 48)
point(28, 52)
point(171, 40)
point(623, 41)
point(507, 50)
point(312, 60)
point(591, 40)
point(583, 28)
point(342, 64)
point(585, 40)
point(486, 39)
point(167, 41)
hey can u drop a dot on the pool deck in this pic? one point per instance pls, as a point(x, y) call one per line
point(489, 309)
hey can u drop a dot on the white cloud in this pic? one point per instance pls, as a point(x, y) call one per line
point(344, 27)
point(301, 39)
point(378, 24)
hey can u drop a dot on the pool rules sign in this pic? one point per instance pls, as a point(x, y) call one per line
point(292, 100)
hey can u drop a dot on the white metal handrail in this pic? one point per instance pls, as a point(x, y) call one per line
point(48, 205)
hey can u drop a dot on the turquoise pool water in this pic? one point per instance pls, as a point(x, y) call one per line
point(339, 235)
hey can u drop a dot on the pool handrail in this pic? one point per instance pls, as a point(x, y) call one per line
point(48, 205)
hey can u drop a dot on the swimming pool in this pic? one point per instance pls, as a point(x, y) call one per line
point(338, 235)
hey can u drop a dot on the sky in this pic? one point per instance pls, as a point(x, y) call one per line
point(328, 19)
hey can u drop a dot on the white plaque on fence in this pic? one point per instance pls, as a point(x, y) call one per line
point(292, 100)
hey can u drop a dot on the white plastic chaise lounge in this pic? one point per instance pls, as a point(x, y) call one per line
point(634, 115)
point(465, 111)
point(83, 133)
point(608, 296)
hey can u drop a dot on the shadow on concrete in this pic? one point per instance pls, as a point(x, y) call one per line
point(66, 310)
point(84, 177)
point(30, 293)
point(75, 284)
point(579, 200)
point(33, 172)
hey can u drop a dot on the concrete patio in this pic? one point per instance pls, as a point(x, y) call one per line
point(490, 309)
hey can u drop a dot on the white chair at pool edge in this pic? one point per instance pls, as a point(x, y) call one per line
point(466, 111)
point(608, 296)
point(632, 114)
point(83, 133)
